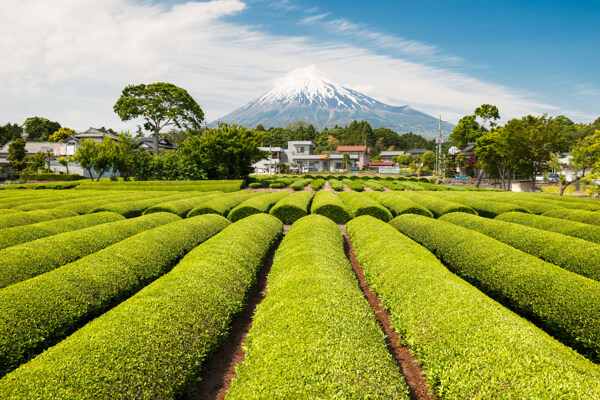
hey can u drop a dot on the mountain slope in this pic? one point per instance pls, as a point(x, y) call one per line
point(303, 95)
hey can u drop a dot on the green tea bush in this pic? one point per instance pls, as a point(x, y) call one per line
point(277, 185)
point(570, 253)
point(424, 180)
point(300, 184)
point(374, 185)
point(256, 205)
point(354, 184)
point(27, 260)
point(223, 204)
point(336, 185)
point(587, 217)
point(152, 345)
point(315, 318)
point(467, 342)
point(256, 185)
point(317, 184)
point(437, 205)
point(31, 217)
point(43, 310)
point(398, 205)
point(488, 209)
point(579, 230)
point(55, 177)
point(183, 206)
point(135, 208)
point(293, 207)
point(331, 206)
point(27, 233)
point(563, 303)
point(361, 204)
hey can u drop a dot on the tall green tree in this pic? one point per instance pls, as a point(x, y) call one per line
point(585, 155)
point(96, 156)
point(62, 134)
point(160, 105)
point(466, 131)
point(9, 132)
point(488, 113)
point(16, 154)
point(39, 129)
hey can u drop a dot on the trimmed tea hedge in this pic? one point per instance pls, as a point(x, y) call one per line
point(31, 217)
point(130, 209)
point(536, 207)
point(199, 186)
point(277, 185)
point(317, 184)
point(488, 209)
point(398, 205)
point(152, 345)
point(374, 185)
point(336, 185)
point(470, 346)
point(24, 261)
point(316, 319)
point(223, 204)
point(182, 207)
point(292, 207)
point(331, 206)
point(26, 233)
point(437, 205)
point(360, 204)
point(256, 205)
point(587, 217)
point(300, 184)
point(38, 313)
point(572, 228)
point(563, 303)
point(354, 184)
point(576, 255)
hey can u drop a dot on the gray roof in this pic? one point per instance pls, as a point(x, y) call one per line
point(391, 153)
point(94, 133)
point(34, 147)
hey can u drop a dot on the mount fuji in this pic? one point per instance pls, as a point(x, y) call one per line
point(304, 95)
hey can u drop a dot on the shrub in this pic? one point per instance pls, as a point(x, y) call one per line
point(256, 205)
point(424, 180)
point(587, 217)
point(55, 177)
point(360, 204)
point(152, 345)
point(292, 207)
point(432, 180)
point(223, 204)
point(412, 179)
point(135, 208)
point(374, 185)
point(315, 318)
point(331, 206)
point(31, 217)
point(467, 342)
point(43, 310)
point(437, 205)
point(565, 251)
point(27, 233)
point(572, 228)
point(356, 185)
point(256, 185)
point(336, 185)
point(183, 206)
point(540, 291)
point(30, 259)
point(277, 185)
point(535, 207)
point(398, 205)
point(300, 184)
point(317, 184)
point(488, 209)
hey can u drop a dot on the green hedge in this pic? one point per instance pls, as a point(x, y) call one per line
point(32, 217)
point(277, 185)
point(300, 184)
point(360, 204)
point(331, 206)
point(572, 228)
point(314, 336)
point(152, 345)
point(488, 209)
point(374, 185)
point(223, 204)
point(27, 233)
point(470, 346)
point(292, 207)
point(43, 310)
point(317, 184)
point(135, 208)
point(55, 177)
point(84, 206)
point(100, 198)
point(398, 205)
point(200, 186)
point(587, 217)
point(256, 205)
point(27, 260)
point(355, 184)
point(563, 303)
point(576, 255)
point(256, 185)
point(436, 205)
point(182, 207)
point(536, 207)
point(336, 185)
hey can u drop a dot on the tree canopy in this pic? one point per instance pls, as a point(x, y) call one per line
point(62, 134)
point(39, 129)
point(160, 105)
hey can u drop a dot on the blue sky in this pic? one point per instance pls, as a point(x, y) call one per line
point(68, 61)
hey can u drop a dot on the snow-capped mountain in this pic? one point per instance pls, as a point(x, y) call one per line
point(303, 95)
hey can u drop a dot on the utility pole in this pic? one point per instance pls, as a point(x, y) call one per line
point(439, 151)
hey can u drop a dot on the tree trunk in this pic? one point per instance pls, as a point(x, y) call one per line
point(90, 172)
point(479, 177)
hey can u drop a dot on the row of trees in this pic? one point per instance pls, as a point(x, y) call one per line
point(526, 146)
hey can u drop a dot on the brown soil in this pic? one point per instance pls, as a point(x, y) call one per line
point(218, 372)
point(409, 365)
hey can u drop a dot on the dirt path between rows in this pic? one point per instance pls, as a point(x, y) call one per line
point(218, 372)
point(409, 365)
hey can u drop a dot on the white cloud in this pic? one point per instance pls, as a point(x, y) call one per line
point(68, 60)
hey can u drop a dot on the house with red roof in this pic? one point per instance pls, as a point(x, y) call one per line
point(358, 153)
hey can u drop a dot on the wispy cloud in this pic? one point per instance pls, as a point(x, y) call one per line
point(70, 59)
